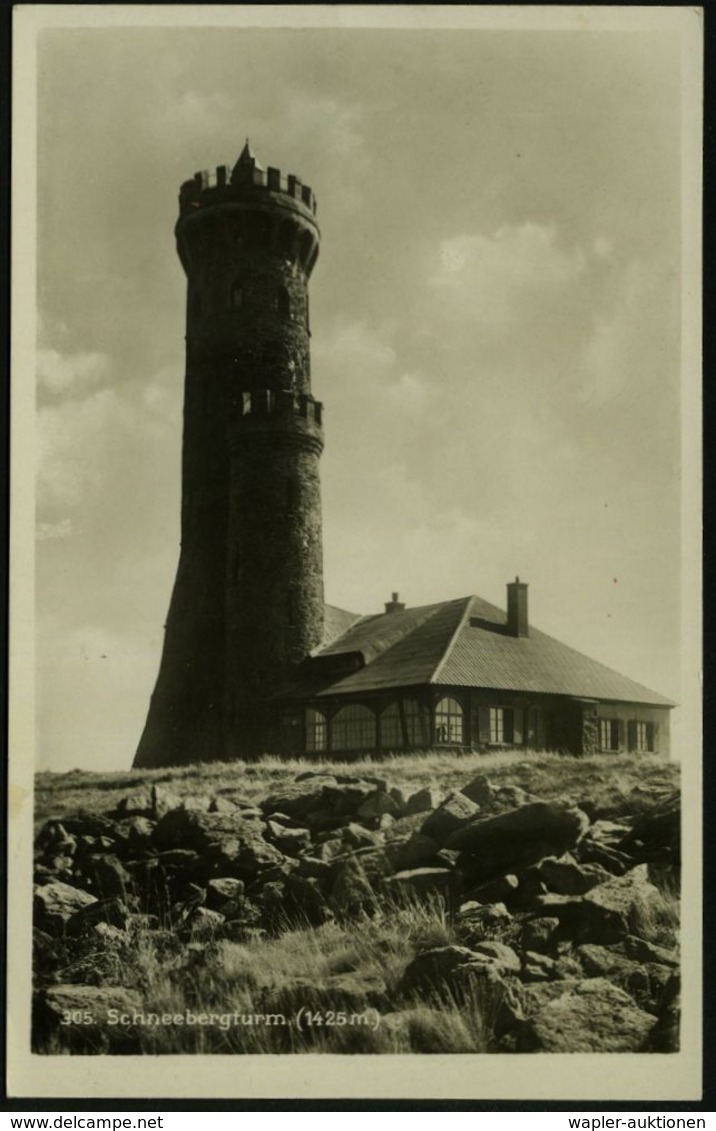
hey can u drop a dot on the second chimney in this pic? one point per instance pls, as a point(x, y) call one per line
point(394, 606)
point(517, 619)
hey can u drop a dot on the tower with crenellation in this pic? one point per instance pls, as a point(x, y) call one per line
point(247, 604)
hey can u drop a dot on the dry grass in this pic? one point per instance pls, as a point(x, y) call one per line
point(608, 782)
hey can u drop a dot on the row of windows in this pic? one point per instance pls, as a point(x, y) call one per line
point(407, 723)
point(639, 736)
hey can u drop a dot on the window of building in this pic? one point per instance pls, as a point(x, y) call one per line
point(245, 404)
point(448, 721)
point(608, 734)
point(316, 731)
point(353, 728)
point(405, 723)
point(642, 737)
point(502, 728)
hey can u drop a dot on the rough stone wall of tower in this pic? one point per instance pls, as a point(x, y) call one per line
point(247, 603)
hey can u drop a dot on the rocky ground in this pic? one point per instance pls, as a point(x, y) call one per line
point(372, 917)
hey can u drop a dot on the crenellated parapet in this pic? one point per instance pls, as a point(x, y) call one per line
point(247, 210)
point(285, 416)
point(206, 188)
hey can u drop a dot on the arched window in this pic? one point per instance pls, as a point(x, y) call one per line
point(448, 721)
point(353, 728)
point(283, 303)
point(405, 723)
point(237, 296)
point(316, 731)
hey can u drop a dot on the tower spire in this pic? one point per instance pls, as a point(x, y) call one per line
point(247, 162)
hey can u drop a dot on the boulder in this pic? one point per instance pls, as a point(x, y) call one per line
point(305, 901)
point(538, 967)
point(345, 798)
point(135, 804)
point(55, 904)
point(222, 805)
point(419, 851)
point(223, 890)
point(655, 833)
point(84, 823)
point(162, 801)
point(476, 923)
point(296, 800)
point(566, 877)
point(502, 955)
point(379, 804)
point(591, 851)
point(497, 845)
point(423, 800)
point(105, 875)
point(645, 951)
point(537, 934)
point(235, 842)
point(203, 923)
point(101, 1019)
point(290, 841)
point(449, 818)
point(480, 790)
point(113, 912)
point(355, 836)
point(629, 896)
point(351, 892)
point(313, 868)
point(424, 881)
point(496, 891)
point(54, 840)
point(591, 1015)
point(431, 970)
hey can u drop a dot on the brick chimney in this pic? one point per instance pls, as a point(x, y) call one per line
point(394, 606)
point(517, 618)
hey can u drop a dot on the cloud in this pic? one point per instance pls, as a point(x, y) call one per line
point(73, 373)
point(335, 123)
point(497, 279)
point(88, 447)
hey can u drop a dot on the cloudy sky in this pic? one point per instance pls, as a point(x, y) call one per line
point(495, 315)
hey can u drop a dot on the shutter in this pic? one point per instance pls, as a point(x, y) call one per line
point(517, 736)
point(631, 731)
point(483, 716)
point(621, 733)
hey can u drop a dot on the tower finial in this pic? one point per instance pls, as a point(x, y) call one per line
point(244, 168)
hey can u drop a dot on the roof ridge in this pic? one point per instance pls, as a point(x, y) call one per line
point(451, 644)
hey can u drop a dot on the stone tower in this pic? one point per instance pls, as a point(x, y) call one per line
point(247, 603)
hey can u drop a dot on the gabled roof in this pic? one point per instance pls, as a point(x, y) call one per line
point(461, 643)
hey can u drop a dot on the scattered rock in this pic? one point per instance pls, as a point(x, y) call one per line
point(379, 804)
point(497, 845)
point(423, 800)
point(449, 817)
point(423, 881)
point(566, 877)
point(588, 1016)
point(55, 904)
point(100, 1018)
point(537, 934)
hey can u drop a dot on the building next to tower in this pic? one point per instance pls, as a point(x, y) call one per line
point(254, 661)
